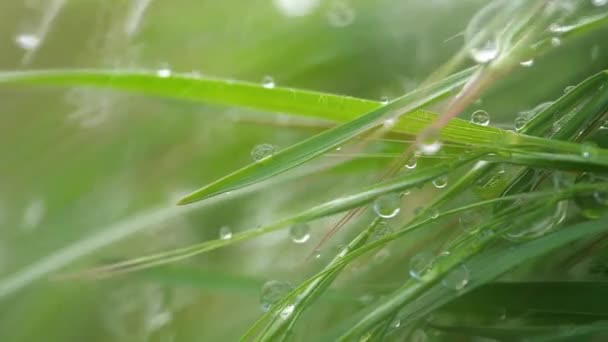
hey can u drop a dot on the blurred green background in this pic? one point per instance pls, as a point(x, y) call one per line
point(90, 176)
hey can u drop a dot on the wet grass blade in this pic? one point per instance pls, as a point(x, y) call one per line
point(484, 267)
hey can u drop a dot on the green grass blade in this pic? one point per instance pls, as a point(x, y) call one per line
point(484, 267)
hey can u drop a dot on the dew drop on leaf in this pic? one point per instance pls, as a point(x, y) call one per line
point(163, 72)
point(599, 2)
point(268, 82)
point(421, 264)
point(27, 41)
point(299, 232)
point(384, 100)
point(412, 162)
point(296, 8)
point(527, 63)
point(480, 117)
point(428, 142)
point(456, 278)
point(387, 206)
point(262, 151)
point(520, 122)
point(225, 233)
point(441, 182)
point(272, 292)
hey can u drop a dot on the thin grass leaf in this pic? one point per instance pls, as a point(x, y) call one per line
point(484, 267)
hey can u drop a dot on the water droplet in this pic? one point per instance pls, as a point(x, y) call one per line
point(262, 151)
point(225, 233)
point(421, 264)
point(27, 41)
point(396, 324)
point(342, 250)
point(381, 230)
point(485, 52)
point(387, 206)
point(526, 230)
point(268, 82)
point(556, 42)
point(568, 89)
point(440, 182)
point(384, 100)
point(457, 278)
point(587, 150)
point(163, 72)
point(33, 213)
point(468, 222)
point(412, 162)
point(520, 122)
point(599, 2)
point(480, 117)
point(429, 143)
point(287, 311)
point(300, 232)
point(388, 123)
point(527, 63)
point(592, 205)
point(272, 292)
point(340, 13)
point(296, 8)
point(433, 213)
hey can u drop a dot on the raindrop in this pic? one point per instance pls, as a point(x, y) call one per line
point(568, 89)
point(520, 122)
point(599, 2)
point(262, 151)
point(387, 206)
point(287, 311)
point(486, 52)
point(163, 72)
point(33, 214)
point(272, 292)
point(587, 150)
point(591, 205)
point(340, 13)
point(388, 123)
point(527, 63)
point(384, 100)
point(457, 278)
point(396, 323)
point(440, 182)
point(225, 233)
point(433, 213)
point(523, 231)
point(268, 82)
point(300, 232)
point(480, 117)
point(381, 230)
point(296, 8)
point(468, 223)
point(27, 41)
point(429, 143)
point(421, 264)
point(412, 162)
point(556, 42)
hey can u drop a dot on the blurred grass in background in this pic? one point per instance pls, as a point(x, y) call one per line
point(82, 162)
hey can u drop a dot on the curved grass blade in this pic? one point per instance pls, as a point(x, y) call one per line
point(356, 199)
point(486, 266)
point(310, 148)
